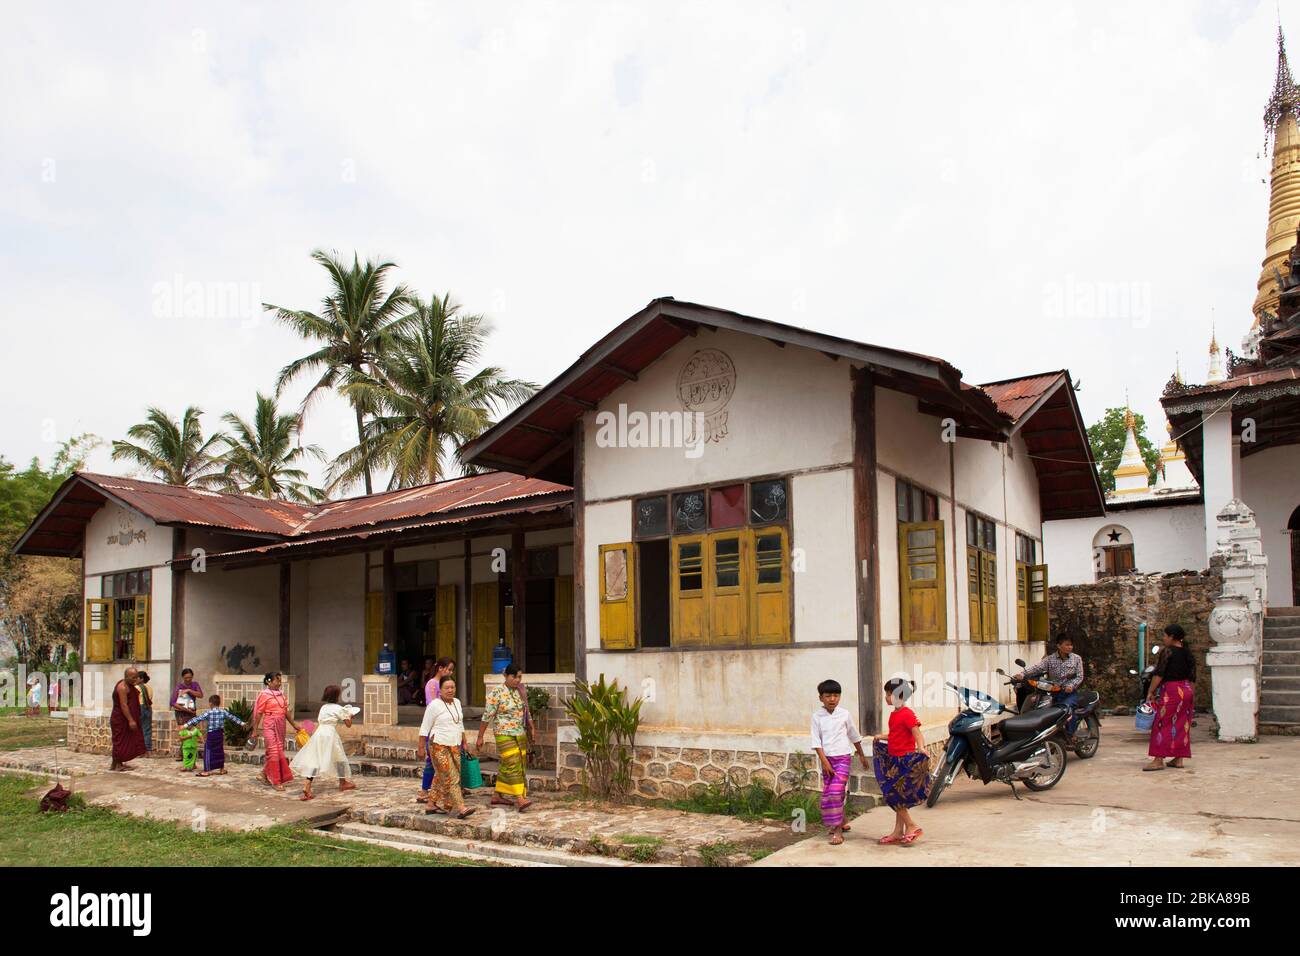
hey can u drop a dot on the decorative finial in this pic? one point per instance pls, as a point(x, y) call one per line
point(1214, 341)
point(1285, 97)
point(1130, 423)
point(1178, 370)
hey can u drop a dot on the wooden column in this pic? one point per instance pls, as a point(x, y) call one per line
point(178, 605)
point(464, 639)
point(285, 597)
point(518, 582)
point(866, 549)
point(579, 559)
point(390, 601)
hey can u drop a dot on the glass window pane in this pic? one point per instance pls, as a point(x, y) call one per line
point(931, 508)
point(918, 504)
point(726, 562)
point(901, 499)
point(652, 516)
point(727, 507)
point(688, 512)
point(615, 575)
point(690, 566)
point(106, 585)
point(972, 531)
point(768, 559)
point(144, 582)
point(767, 501)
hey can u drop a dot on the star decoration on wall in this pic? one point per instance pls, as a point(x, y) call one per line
point(1114, 536)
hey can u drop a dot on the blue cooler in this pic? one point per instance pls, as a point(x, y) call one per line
point(387, 662)
point(501, 657)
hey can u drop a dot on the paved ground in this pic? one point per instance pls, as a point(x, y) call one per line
point(1235, 804)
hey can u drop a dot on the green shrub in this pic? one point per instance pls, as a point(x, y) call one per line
point(538, 701)
point(237, 736)
point(606, 723)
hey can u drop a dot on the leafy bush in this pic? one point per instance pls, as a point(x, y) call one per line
point(538, 701)
point(237, 736)
point(606, 723)
point(754, 801)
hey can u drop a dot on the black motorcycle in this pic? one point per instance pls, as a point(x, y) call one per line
point(1026, 748)
point(1032, 693)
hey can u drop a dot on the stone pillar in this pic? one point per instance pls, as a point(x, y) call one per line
point(1217, 471)
point(379, 700)
point(1237, 623)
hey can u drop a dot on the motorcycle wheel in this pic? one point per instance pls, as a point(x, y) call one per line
point(1087, 745)
point(1049, 778)
point(945, 776)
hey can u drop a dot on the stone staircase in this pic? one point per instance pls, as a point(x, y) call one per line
point(1279, 700)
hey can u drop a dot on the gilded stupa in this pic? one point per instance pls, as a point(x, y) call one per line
point(1284, 191)
point(1131, 477)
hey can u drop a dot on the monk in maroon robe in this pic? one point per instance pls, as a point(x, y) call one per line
point(128, 733)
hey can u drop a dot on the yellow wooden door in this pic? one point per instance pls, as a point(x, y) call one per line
point(142, 629)
point(564, 636)
point(728, 554)
point(99, 630)
point(374, 629)
point(690, 589)
point(922, 579)
point(617, 596)
point(989, 594)
point(1038, 602)
point(444, 617)
point(973, 594)
point(769, 569)
point(486, 608)
point(1022, 601)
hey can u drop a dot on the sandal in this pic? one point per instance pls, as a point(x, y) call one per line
point(910, 838)
point(308, 796)
point(523, 805)
point(889, 838)
point(464, 813)
point(1149, 768)
point(837, 839)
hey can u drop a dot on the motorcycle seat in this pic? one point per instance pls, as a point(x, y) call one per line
point(1034, 722)
point(1087, 698)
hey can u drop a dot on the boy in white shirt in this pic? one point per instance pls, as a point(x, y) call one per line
point(834, 738)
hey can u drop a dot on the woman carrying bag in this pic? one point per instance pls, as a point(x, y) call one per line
point(1172, 694)
point(444, 726)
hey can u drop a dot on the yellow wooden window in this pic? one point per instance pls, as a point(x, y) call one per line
point(486, 608)
point(1038, 602)
point(922, 579)
point(374, 629)
point(989, 595)
point(769, 568)
point(1022, 601)
point(99, 630)
point(973, 594)
point(564, 637)
point(444, 616)
point(141, 628)
point(617, 596)
point(728, 554)
point(690, 590)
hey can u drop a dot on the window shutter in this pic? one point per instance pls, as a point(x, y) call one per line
point(617, 597)
point(973, 594)
point(487, 605)
point(1022, 601)
point(564, 650)
point(142, 629)
point(922, 581)
point(769, 569)
point(374, 629)
point(444, 614)
point(727, 570)
point(690, 590)
point(99, 631)
point(989, 595)
point(1038, 602)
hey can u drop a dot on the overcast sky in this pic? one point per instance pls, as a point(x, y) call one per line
point(1015, 187)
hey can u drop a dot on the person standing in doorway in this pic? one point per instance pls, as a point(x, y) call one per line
point(1172, 694)
point(124, 722)
point(505, 712)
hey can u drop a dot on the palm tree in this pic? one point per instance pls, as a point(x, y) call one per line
point(262, 458)
point(352, 329)
point(427, 399)
point(172, 452)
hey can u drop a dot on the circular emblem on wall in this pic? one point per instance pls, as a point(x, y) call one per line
point(706, 382)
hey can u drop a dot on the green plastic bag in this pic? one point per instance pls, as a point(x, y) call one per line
point(471, 776)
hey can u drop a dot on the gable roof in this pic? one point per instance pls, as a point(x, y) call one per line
point(60, 527)
point(537, 437)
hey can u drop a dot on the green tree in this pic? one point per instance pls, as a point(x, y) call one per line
point(172, 452)
point(428, 398)
point(1107, 438)
point(264, 458)
point(352, 329)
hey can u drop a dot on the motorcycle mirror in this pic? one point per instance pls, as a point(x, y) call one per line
point(1020, 663)
point(1155, 650)
point(1002, 672)
point(1132, 671)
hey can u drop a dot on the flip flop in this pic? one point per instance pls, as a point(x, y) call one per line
point(521, 807)
point(464, 813)
point(910, 838)
point(837, 839)
point(888, 838)
point(308, 796)
point(1150, 769)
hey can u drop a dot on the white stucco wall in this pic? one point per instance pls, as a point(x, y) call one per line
point(1271, 487)
point(335, 623)
point(1165, 538)
point(226, 609)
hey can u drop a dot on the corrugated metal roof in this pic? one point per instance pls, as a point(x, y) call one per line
point(172, 504)
point(1015, 396)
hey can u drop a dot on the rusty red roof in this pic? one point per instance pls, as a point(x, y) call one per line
point(1016, 396)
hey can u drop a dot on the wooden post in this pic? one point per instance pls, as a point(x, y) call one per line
point(464, 635)
point(518, 590)
point(285, 594)
point(579, 559)
point(866, 549)
point(390, 601)
point(178, 606)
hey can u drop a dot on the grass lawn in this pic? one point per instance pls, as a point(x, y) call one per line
point(18, 730)
point(94, 836)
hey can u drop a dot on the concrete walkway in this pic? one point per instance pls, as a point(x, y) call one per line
point(1235, 804)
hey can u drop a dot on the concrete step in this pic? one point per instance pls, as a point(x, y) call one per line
point(1286, 683)
point(1273, 714)
point(1279, 729)
point(1280, 657)
point(1283, 610)
point(1271, 696)
point(1289, 642)
point(538, 779)
point(1281, 670)
point(422, 841)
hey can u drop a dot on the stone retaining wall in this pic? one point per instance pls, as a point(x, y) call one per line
point(89, 732)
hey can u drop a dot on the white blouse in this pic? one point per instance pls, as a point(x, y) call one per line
point(444, 723)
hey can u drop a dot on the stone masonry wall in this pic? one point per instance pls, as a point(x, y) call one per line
point(90, 733)
point(1103, 619)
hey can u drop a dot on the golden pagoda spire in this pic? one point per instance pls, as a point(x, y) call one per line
point(1284, 193)
point(1215, 374)
point(1131, 476)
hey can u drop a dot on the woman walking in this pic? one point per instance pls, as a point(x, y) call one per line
point(1172, 695)
point(505, 712)
point(444, 726)
point(324, 754)
point(270, 714)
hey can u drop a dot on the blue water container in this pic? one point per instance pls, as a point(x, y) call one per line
point(501, 657)
point(387, 664)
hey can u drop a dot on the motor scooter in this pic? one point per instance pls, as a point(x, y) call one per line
point(1033, 693)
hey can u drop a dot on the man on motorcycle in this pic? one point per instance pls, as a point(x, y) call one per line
point(1065, 669)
